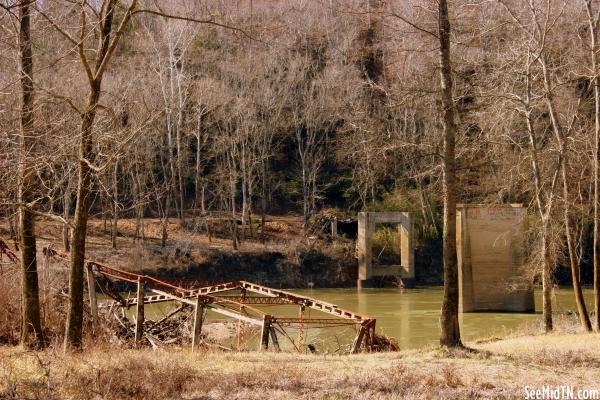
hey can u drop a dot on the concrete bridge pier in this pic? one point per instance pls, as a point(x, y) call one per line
point(367, 271)
point(491, 258)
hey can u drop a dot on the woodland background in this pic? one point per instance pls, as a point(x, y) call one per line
point(252, 108)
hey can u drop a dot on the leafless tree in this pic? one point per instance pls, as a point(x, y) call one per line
point(449, 325)
point(31, 330)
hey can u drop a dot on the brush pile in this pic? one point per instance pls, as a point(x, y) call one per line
point(383, 343)
point(173, 329)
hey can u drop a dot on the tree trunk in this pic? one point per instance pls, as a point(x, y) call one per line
point(250, 196)
point(426, 223)
point(140, 231)
point(13, 221)
point(449, 324)
point(244, 197)
point(197, 176)
point(74, 326)
point(584, 318)
point(180, 174)
point(115, 211)
point(561, 138)
point(136, 205)
point(596, 191)
point(594, 67)
point(263, 207)
point(104, 206)
point(203, 211)
point(165, 222)
point(547, 287)
point(544, 205)
point(31, 328)
point(66, 215)
point(172, 179)
point(596, 195)
point(232, 192)
point(233, 220)
point(304, 200)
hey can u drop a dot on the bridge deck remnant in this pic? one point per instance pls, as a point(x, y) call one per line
point(213, 296)
point(239, 300)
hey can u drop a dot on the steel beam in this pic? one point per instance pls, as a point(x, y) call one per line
point(265, 332)
point(92, 296)
point(198, 320)
point(307, 301)
point(210, 307)
point(139, 320)
point(256, 300)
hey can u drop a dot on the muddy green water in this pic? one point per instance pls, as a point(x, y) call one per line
point(409, 315)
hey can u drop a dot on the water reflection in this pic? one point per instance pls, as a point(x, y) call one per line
point(409, 315)
point(412, 315)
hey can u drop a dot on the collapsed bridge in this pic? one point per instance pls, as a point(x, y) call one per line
point(236, 300)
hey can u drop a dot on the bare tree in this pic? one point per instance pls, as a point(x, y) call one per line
point(562, 136)
point(104, 52)
point(593, 20)
point(31, 329)
point(449, 325)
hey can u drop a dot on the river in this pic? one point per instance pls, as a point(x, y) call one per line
point(410, 315)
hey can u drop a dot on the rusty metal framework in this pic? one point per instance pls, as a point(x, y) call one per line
point(6, 251)
point(238, 300)
point(214, 297)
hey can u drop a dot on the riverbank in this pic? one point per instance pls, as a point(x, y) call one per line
point(284, 259)
point(494, 369)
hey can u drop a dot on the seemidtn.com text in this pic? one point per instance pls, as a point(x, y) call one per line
point(561, 392)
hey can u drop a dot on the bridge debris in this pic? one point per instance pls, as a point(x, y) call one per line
point(242, 301)
point(5, 250)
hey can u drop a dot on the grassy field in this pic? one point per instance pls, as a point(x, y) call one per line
point(489, 369)
point(495, 369)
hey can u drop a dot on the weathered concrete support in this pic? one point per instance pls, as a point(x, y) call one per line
point(365, 247)
point(92, 296)
point(491, 258)
point(264, 333)
point(139, 319)
point(407, 252)
point(367, 222)
point(198, 320)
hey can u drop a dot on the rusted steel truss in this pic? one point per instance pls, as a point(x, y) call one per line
point(239, 304)
point(6, 251)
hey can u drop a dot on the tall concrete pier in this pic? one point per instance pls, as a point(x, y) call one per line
point(367, 222)
point(491, 257)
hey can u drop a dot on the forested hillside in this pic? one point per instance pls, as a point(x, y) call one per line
point(181, 183)
point(254, 107)
point(240, 110)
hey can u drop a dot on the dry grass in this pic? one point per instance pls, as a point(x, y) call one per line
point(53, 286)
point(498, 369)
point(492, 369)
point(9, 304)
